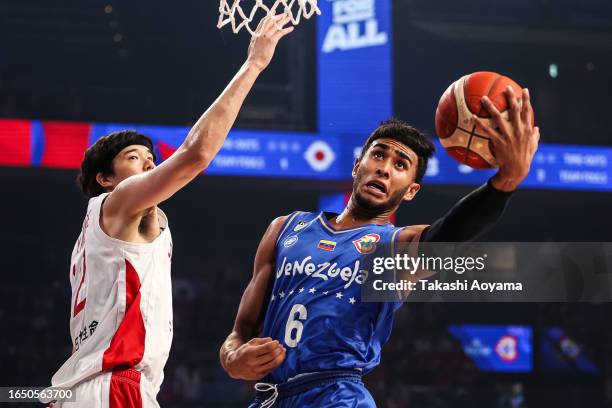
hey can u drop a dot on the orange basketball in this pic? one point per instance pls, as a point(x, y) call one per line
point(466, 143)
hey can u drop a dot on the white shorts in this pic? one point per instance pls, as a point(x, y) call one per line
point(116, 389)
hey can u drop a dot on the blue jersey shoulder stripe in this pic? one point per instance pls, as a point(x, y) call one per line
point(285, 225)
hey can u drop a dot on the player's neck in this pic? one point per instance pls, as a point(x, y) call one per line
point(354, 215)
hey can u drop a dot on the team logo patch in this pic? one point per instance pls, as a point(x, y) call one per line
point(300, 226)
point(367, 243)
point(327, 245)
point(290, 241)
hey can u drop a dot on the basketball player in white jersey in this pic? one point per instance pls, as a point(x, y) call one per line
point(121, 306)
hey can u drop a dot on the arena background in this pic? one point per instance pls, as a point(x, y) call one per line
point(70, 71)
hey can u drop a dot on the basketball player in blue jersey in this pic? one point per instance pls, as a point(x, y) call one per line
point(301, 327)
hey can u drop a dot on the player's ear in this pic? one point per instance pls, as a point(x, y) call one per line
point(356, 167)
point(104, 180)
point(412, 191)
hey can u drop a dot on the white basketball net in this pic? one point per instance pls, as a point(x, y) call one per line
point(230, 11)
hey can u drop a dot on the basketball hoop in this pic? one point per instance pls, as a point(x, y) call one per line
point(230, 11)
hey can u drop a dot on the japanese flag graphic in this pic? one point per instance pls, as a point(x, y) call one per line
point(319, 155)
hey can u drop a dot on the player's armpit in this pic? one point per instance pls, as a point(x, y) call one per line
point(411, 233)
point(243, 355)
point(408, 241)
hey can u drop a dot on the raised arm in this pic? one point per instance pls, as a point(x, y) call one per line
point(243, 355)
point(515, 142)
point(205, 138)
point(470, 217)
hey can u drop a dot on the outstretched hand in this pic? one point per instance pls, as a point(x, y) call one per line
point(263, 44)
point(514, 141)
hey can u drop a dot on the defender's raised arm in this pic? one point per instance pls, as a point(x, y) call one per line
point(142, 191)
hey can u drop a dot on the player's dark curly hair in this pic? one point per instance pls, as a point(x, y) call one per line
point(99, 158)
point(404, 133)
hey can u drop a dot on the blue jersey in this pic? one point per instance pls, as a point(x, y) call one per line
point(315, 309)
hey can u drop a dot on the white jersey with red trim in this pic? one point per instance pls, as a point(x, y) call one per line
point(121, 307)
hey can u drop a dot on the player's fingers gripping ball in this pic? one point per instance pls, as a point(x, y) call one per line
point(465, 140)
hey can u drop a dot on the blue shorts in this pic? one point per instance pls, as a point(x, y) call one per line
point(329, 389)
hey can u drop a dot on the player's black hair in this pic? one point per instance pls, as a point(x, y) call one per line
point(404, 133)
point(99, 158)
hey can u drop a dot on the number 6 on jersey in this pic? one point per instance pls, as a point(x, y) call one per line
point(294, 327)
